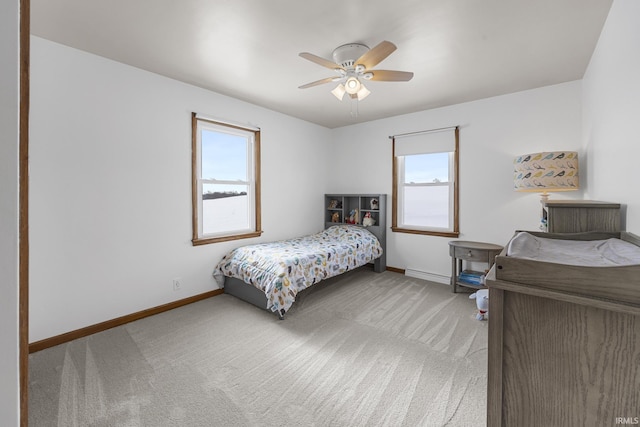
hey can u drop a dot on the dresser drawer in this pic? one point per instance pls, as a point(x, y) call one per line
point(470, 254)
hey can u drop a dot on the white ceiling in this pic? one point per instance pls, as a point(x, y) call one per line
point(459, 50)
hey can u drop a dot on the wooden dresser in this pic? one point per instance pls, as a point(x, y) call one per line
point(563, 355)
point(578, 216)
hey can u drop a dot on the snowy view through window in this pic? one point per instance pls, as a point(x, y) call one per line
point(225, 204)
point(224, 214)
point(426, 190)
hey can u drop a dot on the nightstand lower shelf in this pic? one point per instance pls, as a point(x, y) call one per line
point(470, 252)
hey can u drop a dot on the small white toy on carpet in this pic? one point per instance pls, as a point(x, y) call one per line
point(482, 302)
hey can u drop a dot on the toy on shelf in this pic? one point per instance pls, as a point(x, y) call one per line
point(353, 217)
point(335, 217)
point(333, 204)
point(482, 302)
point(368, 220)
point(374, 204)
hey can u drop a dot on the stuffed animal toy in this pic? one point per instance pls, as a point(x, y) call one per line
point(374, 204)
point(353, 217)
point(368, 220)
point(482, 302)
point(335, 217)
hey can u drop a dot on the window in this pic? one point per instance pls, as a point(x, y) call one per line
point(226, 181)
point(425, 183)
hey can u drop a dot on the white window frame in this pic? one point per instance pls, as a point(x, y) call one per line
point(252, 183)
point(399, 184)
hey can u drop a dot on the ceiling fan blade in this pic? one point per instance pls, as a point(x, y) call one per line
point(320, 61)
point(374, 56)
point(318, 82)
point(391, 76)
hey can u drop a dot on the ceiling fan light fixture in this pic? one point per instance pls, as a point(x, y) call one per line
point(363, 92)
point(354, 61)
point(352, 85)
point(339, 91)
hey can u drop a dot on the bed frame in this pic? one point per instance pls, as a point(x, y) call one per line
point(255, 296)
point(563, 340)
point(244, 291)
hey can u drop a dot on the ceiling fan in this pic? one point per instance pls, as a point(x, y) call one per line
point(353, 62)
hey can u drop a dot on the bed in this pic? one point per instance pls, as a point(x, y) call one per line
point(270, 275)
point(564, 330)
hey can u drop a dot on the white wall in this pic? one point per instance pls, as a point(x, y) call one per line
point(104, 133)
point(492, 132)
point(611, 91)
point(9, 124)
point(110, 198)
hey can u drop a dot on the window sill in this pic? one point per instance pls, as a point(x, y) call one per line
point(426, 232)
point(208, 240)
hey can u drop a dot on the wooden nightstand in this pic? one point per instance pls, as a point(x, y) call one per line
point(470, 252)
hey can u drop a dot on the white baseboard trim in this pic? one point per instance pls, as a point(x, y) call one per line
point(438, 278)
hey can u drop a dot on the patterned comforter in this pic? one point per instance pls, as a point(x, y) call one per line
point(282, 269)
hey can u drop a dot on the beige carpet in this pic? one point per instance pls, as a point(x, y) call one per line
point(364, 349)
